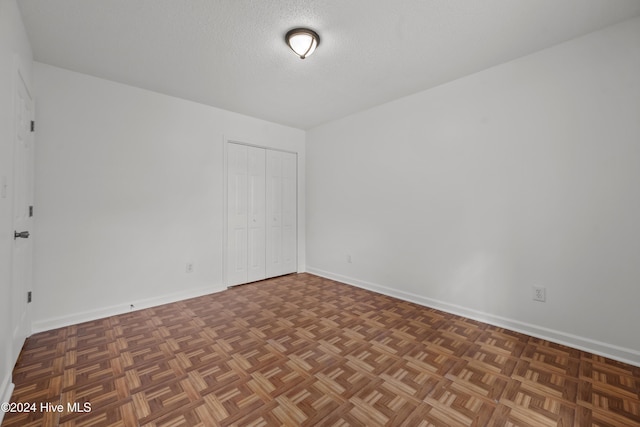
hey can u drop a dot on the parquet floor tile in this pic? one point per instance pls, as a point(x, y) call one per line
point(301, 350)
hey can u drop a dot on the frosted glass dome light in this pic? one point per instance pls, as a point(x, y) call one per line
point(302, 41)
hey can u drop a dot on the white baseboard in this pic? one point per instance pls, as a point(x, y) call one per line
point(621, 354)
point(86, 316)
point(6, 389)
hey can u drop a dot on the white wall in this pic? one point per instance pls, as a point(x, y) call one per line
point(129, 188)
point(15, 53)
point(465, 196)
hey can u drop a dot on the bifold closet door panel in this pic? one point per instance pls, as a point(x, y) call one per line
point(261, 213)
point(274, 214)
point(256, 199)
point(245, 214)
point(281, 221)
point(289, 213)
point(237, 214)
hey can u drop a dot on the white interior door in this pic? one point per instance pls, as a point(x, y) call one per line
point(236, 253)
point(274, 214)
point(245, 214)
point(281, 213)
point(256, 217)
point(21, 276)
point(289, 213)
point(261, 213)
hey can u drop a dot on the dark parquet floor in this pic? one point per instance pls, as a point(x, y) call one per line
point(304, 350)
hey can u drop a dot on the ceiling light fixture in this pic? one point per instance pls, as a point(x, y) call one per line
point(302, 41)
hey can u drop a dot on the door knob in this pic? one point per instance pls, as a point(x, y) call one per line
point(22, 234)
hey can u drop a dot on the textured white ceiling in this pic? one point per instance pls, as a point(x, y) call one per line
point(231, 53)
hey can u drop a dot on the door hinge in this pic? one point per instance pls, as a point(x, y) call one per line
point(28, 297)
point(33, 126)
point(30, 211)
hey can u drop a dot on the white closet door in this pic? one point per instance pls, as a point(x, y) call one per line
point(274, 214)
point(245, 214)
point(281, 213)
point(261, 213)
point(237, 171)
point(256, 214)
point(289, 213)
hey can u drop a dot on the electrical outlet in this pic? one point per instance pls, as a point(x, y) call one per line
point(189, 267)
point(349, 259)
point(132, 307)
point(3, 187)
point(539, 294)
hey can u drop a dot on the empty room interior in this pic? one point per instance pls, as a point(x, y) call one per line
point(419, 213)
